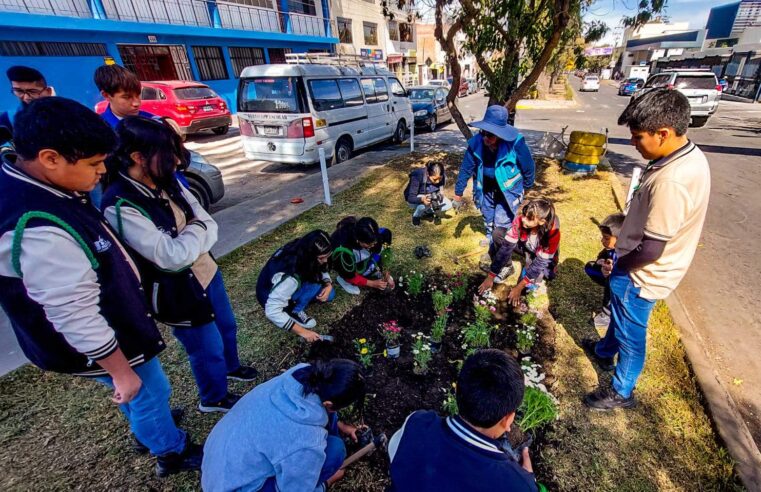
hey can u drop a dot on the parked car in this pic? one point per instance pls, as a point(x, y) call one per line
point(287, 112)
point(187, 106)
point(700, 86)
point(463, 88)
point(439, 83)
point(628, 87)
point(205, 180)
point(590, 83)
point(429, 106)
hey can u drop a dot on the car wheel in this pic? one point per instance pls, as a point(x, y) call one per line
point(221, 130)
point(401, 131)
point(198, 190)
point(433, 124)
point(343, 151)
point(699, 121)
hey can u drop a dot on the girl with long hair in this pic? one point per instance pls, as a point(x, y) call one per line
point(361, 255)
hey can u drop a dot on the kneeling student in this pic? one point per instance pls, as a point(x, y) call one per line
point(360, 255)
point(423, 192)
point(285, 434)
point(293, 277)
point(463, 452)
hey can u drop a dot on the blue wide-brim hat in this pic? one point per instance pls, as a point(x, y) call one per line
point(495, 121)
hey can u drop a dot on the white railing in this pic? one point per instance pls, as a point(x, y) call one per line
point(65, 8)
point(182, 12)
point(237, 16)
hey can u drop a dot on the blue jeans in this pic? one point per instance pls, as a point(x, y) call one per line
point(420, 209)
point(213, 348)
point(148, 413)
point(496, 211)
point(627, 332)
point(335, 454)
point(306, 294)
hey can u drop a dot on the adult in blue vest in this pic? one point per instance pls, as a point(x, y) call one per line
point(500, 163)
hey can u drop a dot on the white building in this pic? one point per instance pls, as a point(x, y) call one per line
point(655, 40)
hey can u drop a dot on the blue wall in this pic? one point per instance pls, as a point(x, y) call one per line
point(72, 76)
point(720, 21)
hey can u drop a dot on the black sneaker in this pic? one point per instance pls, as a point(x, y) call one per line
point(243, 373)
point(189, 459)
point(304, 319)
point(223, 406)
point(416, 221)
point(140, 448)
point(605, 363)
point(606, 398)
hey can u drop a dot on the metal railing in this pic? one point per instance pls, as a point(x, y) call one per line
point(181, 12)
point(65, 8)
point(245, 17)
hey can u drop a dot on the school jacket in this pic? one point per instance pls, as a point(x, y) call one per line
point(419, 186)
point(170, 235)
point(68, 285)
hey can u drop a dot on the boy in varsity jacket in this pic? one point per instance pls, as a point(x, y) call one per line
point(70, 289)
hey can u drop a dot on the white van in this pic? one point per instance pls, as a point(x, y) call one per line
point(288, 111)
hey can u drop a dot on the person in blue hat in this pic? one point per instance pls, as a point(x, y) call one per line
point(500, 163)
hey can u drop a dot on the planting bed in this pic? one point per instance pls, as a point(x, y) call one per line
point(394, 390)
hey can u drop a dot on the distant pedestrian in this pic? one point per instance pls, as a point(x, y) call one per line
point(67, 283)
point(502, 168)
point(658, 238)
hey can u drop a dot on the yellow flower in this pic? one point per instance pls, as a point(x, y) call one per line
point(454, 385)
point(363, 351)
point(363, 340)
point(385, 353)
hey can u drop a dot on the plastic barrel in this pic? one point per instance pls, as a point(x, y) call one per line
point(581, 149)
point(592, 160)
point(588, 138)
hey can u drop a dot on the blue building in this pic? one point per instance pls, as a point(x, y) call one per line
point(205, 40)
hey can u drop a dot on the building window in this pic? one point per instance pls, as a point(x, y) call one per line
point(44, 48)
point(371, 33)
point(344, 30)
point(302, 7)
point(210, 62)
point(277, 55)
point(405, 32)
point(393, 30)
point(262, 4)
point(245, 57)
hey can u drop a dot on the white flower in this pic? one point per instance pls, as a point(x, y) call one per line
point(415, 352)
point(426, 347)
point(420, 333)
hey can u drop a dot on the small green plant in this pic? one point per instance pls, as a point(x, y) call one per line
point(528, 319)
point(441, 301)
point(476, 336)
point(457, 286)
point(537, 409)
point(439, 327)
point(449, 406)
point(537, 301)
point(365, 351)
point(483, 306)
point(421, 352)
point(415, 283)
point(526, 337)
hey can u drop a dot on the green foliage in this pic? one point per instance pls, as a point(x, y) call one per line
point(528, 319)
point(537, 301)
point(415, 283)
point(365, 351)
point(421, 352)
point(459, 289)
point(441, 301)
point(525, 338)
point(386, 258)
point(537, 409)
point(449, 406)
point(439, 327)
point(476, 336)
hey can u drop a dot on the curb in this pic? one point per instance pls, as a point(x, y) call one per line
point(722, 408)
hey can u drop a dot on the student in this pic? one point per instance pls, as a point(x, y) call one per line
point(285, 434)
point(502, 168)
point(121, 88)
point(464, 452)
point(68, 285)
point(535, 234)
point(658, 238)
point(599, 270)
point(293, 277)
point(27, 84)
point(424, 183)
point(171, 235)
point(358, 253)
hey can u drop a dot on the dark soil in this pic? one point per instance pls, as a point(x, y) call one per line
point(394, 391)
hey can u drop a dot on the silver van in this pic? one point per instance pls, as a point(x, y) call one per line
point(288, 111)
point(700, 86)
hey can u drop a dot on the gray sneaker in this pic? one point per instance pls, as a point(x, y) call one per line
point(350, 289)
point(504, 273)
point(601, 320)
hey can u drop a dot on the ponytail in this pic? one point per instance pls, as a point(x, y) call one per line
point(339, 381)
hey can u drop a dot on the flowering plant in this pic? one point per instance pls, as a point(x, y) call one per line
point(415, 283)
point(421, 352)
point(365, 351)
point(526, 336)
point(459, 289)
point(450, 400)
point(390, 330)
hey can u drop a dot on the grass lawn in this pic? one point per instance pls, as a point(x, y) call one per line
point(57, 432)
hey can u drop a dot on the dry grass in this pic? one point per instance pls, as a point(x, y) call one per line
point(58, 432)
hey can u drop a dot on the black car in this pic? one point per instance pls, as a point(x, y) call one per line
point(429, 105)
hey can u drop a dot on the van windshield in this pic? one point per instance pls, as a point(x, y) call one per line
point(270, 95)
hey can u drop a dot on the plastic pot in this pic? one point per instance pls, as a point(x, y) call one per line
point(436, 347)
point(393, 351)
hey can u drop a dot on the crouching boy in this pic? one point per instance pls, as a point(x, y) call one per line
point(599, 270)
point(423, 192)
point(463, 452)
point(70, 289)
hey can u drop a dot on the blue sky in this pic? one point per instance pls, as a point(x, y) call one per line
point(693, 11)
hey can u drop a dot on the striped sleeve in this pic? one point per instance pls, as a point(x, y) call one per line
point(277, 302)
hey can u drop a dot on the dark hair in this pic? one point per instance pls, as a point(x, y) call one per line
point(63, 125)
point(339, 381)
point(435, 168)
point(301, 255)
point(489, 387)
point(543, 209)
point(156, 142)
point(612, 224)
point(20, 73)
point(114, 78)
point(658, 108)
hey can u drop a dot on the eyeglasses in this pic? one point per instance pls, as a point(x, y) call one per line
point(27, 92)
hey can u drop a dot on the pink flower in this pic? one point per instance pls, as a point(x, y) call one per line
point(492, 309)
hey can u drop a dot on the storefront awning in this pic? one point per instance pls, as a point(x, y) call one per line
point(394, 59)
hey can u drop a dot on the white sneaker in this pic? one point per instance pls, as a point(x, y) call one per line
point(304, 320)
point(349, 288)
point(505, 272)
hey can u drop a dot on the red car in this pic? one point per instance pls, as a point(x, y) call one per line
point(463, 88)
point(186, 105)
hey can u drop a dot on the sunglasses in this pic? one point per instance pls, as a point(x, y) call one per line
point(488, 134)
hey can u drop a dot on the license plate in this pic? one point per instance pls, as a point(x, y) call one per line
point(208, 108)
point(271, 130)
